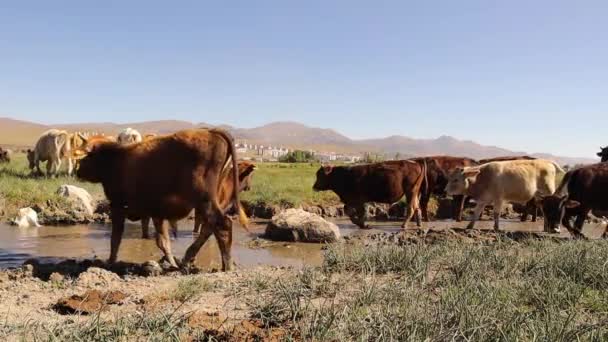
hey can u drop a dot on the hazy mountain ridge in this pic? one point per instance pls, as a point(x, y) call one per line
point(285, 133)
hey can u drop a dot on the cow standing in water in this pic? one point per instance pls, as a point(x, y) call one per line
point(52, 146)
point(495, 183)
point(165, 178)
point(582, 190)
point(603, 154)
point(385, 182)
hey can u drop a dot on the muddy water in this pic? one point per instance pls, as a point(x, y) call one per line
point(89, 241)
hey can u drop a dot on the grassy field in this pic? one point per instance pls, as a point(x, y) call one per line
point(448, 291)
point(273, 184)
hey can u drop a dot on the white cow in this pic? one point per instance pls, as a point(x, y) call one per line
point(52, 146)
point(496, 183)
point(129, 136)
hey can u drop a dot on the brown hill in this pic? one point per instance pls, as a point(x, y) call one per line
point(290, 134)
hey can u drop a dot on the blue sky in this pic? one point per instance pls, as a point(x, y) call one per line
point(525, 75)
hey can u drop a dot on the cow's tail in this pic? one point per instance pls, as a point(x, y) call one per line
point(558, 168)
point(62, 145)
point(562, 189)
point(425, 175)
point(243, 220)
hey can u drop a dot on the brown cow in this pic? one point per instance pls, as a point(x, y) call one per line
point(224, 194)
point(166, 178)
point(582, 190)
point(384, 182)
point(603, 154)
point(438, 167)
point(531, 205)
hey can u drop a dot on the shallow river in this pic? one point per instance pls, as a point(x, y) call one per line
point(87, 241)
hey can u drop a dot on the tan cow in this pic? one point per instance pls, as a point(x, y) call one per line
point(52, 146)
point(495, 183)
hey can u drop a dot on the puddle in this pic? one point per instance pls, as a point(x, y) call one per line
point(53, 244)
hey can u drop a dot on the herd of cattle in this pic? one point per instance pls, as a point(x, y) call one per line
point(165, 177)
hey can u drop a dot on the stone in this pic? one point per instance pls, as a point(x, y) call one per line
point(90, 302)
point(79, 196)
point(56, 277)
point(95, 276)
point(151, 268)
point(299, 225)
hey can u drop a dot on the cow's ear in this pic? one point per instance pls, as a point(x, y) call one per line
point(471, 172)
point(571, 204)
point(328, 169)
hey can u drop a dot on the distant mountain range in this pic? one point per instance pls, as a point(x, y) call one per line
point(289, 134)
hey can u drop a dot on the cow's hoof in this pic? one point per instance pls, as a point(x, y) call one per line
point(470, 226)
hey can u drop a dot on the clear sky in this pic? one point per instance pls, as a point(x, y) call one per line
point(525, 75)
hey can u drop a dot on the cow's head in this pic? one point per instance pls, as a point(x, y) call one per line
point(98, 163)
point(4, 156)
point(460, 179)
point(245, 174)
point(324, 178)
point(603, 154)
point(554, 208)
point(30, 158)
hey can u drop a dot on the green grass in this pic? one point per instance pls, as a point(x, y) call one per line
point(19, 189)
point(287, 185)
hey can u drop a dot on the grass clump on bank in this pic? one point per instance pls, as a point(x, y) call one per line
point(535, 290)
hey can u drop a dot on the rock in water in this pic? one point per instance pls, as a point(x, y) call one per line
point(79, 196)
point(26, 217)
point(299, 225)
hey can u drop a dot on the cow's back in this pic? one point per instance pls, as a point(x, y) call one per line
point(383, 182)
point(165, 173)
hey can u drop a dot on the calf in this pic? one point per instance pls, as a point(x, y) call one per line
point(385, 182)
point(438, 168)
point(582, 190)
point(495, 183)
point(165, 178)
point(224, 194)
point(603, 154)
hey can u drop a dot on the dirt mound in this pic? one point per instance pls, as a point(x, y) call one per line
point(75, 268)
point(92, 301)
point(214, 328)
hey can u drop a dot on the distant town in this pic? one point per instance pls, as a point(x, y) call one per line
point(273, 153)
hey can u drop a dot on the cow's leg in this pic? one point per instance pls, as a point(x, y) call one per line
point(198, 221)
point(173, 225)
point(534, 211)
point(223, 236)
point(476, 213)
point(49, 168)
point(578, 224)
point(413, 208)
point(458, 206)
point(213, 219)
point(357, 214)
point(118, 227)
point(70, 167)
point(497, 210)
point(163, 241)
point(145, 225)
point(424, 204)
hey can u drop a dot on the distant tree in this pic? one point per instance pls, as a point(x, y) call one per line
point(297, 156)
